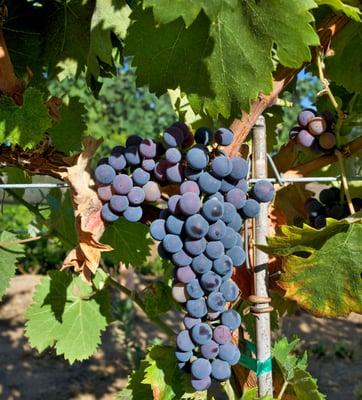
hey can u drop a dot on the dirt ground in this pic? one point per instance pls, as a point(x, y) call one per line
point(334, 346)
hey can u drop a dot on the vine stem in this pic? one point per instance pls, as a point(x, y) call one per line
point(136, 299)
point(20, 241)
point(344, 181)
point(282, 390)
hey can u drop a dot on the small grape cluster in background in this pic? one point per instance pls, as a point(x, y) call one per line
point(198, 231)
point(329, 205)
point(314, 130)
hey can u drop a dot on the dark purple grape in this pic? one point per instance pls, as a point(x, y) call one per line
point(200, 368)
point(189, 322)
point(185, 274)
point(231, 319)
point(195, 247)
point(148, 165)
point(183, 356)
point(293, 133)
point(305, 116)
point(133, 214)
point(223, 265)
point(227, 352)
point(221, 166)
point(158, 229)
point(173, 155)
point(229, 213)
point(122, 184)
point(132, 155)
point(184, 342)
point(316, 126)
point(335, 211)
point(237, 256)
point(179, 293)
point(104, 174)
point(240, 168)
point(216, 302)
point(305, 139)
point(148, 148)
point(224, 136)
point(194, 290)
point(213, 210)
point(204, 136)
point(236, 223)
point(172, 243)
point(197, 158)
point(162, 252)
point(174, 225)
point(263, 191)
point(312, 205)
point(201, 264)
point(152, 191)
point(229, 290)
point(160, 170)
point(175, 173)
point(208, 184)
point(196, 308)
point(181, 258)
point(133, 140)
point(329, 196)
point(236, 197)
point(173, 137)
point(226, 186)
point(196, 226)
point(189, 203)
point(118, 203)
point(201, 384)
point(229, 239)
point(251, 208)
point(173, 204)
point(193, 174)
point(319, 222)
point(117, 160)
point(222, 334)
point(140, 177)
point(104, 193)
point(107, 214)
point(189, 186)
point(220, 370)
point(210, 350)
point(214, 250)
point(136, 196)
point(217, 230)
point(201, 333)
point(210, 281)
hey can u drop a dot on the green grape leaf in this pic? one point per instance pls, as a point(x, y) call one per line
point(62, 218)
point(130, 242)
point(10, 251)
point(189, 10)
point(66, 134)
point(322, 272)
point(26, 124)
point(221, 68)
point(305, 386)
point(157, 299)
point(67, 313)
point(347, 46)
point(16, 175)
point(338, 5)
point(109, 17)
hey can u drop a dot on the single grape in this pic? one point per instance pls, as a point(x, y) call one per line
point(185, 274)
point(174, 225)
point(117, 159)
point(227, 352)
point(122, 184)
point(104, 174)
point(240, 168)
point(305, 116)
point(148, 165)
point(214, 250)
point(335, 211)
point(231, 319)
point(173, 204)
point(316, 126)
point(179, 293)
point(184, 342)
point(236, 357)
point(229, 213)
point(118, 203)
point(194, 289)
point(197, 158)
point(216, 195)
point(227, 276)
point(330, 195)
point(217, 230)
point(172, 243)
point(189, 203)
point(305, 139)
point(224, 136)
point(158, 229)
point(251, 208)
point(210, 281)
point(210, 350)
point(196, 308)
point(107, 214)
point(201, 264)
point(237, 256)
point(136, 196)
point(213, 315)
point(175, 173)
point(183, 356)
point(236, 197)
point(201, 384)
point(204, 136)
point(213, 210)
point(319, 222)
point(102, 161)
point(152, 191)
point(263, 191)
point(195, 247)
point(229, 290)
point(200, 368)
point(293, 133)
point(182, 126)
point(239, 240)
point(201, 333)
point(189, 322)
point(226, 186)
point(223, 265)
point(181, 259)
point(312, 205)
point(133, 140)
point(189, 186)
point(222, 334)
point(173, 137)
point(133, 214)
point(229, 239)
point(140, 177)
point(162, 252)
point(236, 223)
point(160, 170)
point(221, 166)
point(132, 155)
point(193, 174)
point(216, 302)
point(148, 148)
point(196, 226)
point(220, 370)
point(327, 141)
point(208, 184)
point(104, 193)
point(173, 155)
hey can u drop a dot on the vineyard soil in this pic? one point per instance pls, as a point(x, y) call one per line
point(334, 346)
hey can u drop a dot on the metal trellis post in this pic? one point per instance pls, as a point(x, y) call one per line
point(261, 309)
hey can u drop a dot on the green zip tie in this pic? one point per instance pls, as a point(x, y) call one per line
point(259, 367)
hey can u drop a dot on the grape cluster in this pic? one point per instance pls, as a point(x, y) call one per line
point(330, 205)
point(198, 231)
point(314, 130)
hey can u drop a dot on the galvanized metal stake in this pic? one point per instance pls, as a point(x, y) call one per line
point(263, 341)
